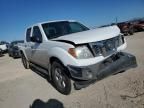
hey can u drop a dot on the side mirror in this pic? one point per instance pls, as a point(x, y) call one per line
point(36, 39)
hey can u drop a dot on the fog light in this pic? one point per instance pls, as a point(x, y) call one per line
point(87, 73)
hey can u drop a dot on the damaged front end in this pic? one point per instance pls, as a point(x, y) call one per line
point(117, 63)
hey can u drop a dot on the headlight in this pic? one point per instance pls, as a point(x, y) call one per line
point(119, 40)
point(81, 52)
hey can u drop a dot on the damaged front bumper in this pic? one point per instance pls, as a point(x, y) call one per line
point(117, 63)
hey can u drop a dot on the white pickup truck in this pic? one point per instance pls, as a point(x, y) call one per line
point(72, 55)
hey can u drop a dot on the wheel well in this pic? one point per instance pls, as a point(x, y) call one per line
point(21, 52)
point(52, 59)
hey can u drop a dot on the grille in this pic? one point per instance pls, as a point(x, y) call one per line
point(106, 47)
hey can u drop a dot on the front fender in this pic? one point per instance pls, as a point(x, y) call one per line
point(62, 55)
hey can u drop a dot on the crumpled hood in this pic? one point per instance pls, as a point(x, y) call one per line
point(91, 35)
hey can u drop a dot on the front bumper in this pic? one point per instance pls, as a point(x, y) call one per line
point(115, 64)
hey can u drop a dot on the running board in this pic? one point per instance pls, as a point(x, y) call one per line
point(38, 68)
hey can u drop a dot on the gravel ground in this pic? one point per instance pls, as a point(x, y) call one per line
point(20, 88)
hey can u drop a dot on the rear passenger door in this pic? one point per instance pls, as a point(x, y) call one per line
point(28, 43)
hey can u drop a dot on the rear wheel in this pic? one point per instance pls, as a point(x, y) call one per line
point(9, 55)
point(61, 81)
point(24, 61)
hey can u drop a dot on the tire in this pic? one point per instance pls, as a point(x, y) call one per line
point(135, 30)
point(25, 62)
point(0, 52)
point(60, 80)
point(9, 55)
point(131, 31)
point(14, 57)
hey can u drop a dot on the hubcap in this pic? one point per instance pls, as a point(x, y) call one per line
point(60, 78)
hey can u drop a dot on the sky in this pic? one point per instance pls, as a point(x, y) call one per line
point(17, 15)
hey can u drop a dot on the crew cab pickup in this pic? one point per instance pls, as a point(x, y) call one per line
point(72, 55)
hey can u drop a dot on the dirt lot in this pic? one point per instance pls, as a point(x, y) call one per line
point(20, 88)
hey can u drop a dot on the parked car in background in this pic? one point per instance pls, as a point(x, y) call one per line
point(4, 46)
point(13, 49)
point(138, 26)
point(126, 28)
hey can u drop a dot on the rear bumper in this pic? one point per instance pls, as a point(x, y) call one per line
point(16, 54)
point(115, 64)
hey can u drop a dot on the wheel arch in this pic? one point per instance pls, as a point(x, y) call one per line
point(52, 59)
point(22, 52)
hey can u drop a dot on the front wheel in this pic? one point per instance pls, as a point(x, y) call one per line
point(24, 61)
point(61, 81)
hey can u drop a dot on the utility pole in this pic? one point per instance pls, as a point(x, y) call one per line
point(116, 20)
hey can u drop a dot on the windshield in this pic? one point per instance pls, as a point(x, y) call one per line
point(57, 29)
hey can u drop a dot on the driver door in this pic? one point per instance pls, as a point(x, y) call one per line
point(38, 52)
